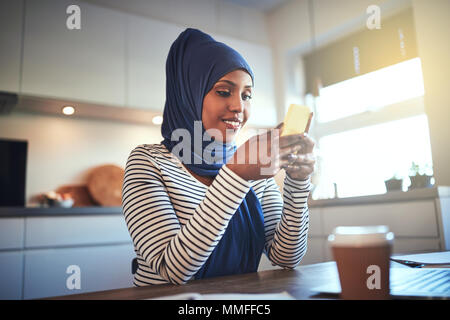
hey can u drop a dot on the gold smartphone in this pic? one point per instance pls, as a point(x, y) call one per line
point(297, 120)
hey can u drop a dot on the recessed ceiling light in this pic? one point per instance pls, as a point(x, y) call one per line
point(68, 110)
point(157, 120)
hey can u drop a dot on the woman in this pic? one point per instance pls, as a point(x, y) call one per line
point(199, 208)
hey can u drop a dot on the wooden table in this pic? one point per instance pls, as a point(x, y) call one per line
point(297, 282)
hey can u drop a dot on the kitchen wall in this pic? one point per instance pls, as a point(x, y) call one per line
point(289, 28)
point(291, 34)
point(212, 16)
point(63, 150)
point(285, 31)
point(432, 25)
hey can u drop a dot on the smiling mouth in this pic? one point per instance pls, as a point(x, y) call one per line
point(232, 124)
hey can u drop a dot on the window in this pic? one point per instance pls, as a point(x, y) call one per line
point(370, 128)
point(371, 91)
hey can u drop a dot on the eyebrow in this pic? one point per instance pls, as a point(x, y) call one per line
point(233, 84)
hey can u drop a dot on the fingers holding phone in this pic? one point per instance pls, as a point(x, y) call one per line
point(296, 146)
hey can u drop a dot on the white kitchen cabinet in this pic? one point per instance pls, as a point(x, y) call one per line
point(37, 245)
point(11, 20)
point(443, 208)
point(419, 219)
point(86, 64)
point(11, 271)
point(148, 43)
point(401, 246)
point(315, 251)
point(314, 254)
point(265, 264)
point(101, 268)
point(114, 59)
point(71, 231)
point(259, 57)
point(416, 245)
point(12, 233)
point(405, 219)
point(315, 222)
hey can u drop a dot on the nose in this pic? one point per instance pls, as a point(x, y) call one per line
point(236, 104)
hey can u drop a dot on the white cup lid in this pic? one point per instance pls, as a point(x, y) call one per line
point(360, 236)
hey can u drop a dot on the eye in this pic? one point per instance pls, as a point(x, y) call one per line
point(223, 93)
point(246, 97)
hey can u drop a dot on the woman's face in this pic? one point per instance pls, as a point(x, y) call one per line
point(226, 107)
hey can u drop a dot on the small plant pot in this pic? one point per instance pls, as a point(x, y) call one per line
point(393, 184)
point(420, 181)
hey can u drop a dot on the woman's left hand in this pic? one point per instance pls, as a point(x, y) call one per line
point(300, 165)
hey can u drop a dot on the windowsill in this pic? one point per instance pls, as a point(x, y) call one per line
point(393, 196)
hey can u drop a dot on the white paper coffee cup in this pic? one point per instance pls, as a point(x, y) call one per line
point(362, 256)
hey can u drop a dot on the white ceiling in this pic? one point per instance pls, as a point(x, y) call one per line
point(261, 5)
point(139, 5)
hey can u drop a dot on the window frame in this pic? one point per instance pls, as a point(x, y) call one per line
point(396, 111)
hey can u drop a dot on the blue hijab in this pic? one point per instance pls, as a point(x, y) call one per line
point(195, 63)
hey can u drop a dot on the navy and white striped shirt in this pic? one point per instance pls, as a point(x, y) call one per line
point(176, 221)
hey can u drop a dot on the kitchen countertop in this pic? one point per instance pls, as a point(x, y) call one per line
point(17, 212)
point(394, 196)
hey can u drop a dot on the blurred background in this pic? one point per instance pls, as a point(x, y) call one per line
point(374, 72)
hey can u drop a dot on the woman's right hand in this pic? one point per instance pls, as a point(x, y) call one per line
point(263, 155)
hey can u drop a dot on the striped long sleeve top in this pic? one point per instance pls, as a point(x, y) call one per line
point(175, 221)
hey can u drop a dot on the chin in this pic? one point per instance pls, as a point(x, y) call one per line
point(231, 136)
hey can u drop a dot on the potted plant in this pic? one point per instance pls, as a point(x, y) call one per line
point(419, 180)
point(393, 183)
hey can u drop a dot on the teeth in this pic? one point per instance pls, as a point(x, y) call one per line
point(233, 123)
